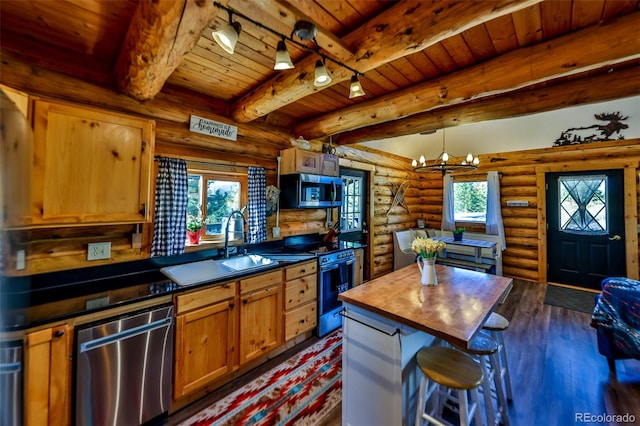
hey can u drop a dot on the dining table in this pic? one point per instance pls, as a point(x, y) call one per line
point(388, 319)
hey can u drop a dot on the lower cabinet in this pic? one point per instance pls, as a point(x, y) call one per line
point(260, 315)
point(300, 299)
point(47, 376)
point(206, 336)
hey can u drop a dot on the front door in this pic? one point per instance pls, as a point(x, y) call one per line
point(353, 212)
point(585, 220)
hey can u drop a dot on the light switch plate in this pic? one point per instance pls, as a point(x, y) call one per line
point(98, 251)
point(20, 261)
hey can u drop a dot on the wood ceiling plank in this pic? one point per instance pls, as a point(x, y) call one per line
point(237, 76)
point(585, 13)
point(440, 57)
point(556, 18)
point(613, 8)
point(223, 62)
point(423, 64)
point(393, 74)
point(479, 42)
point(160, 35)
point(589, 89)
point(528, 25)
point(502, 33)
point(459, 51)
point(405, 28)
point(591, 48)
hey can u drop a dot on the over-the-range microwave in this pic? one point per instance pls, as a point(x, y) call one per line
point(303, 191)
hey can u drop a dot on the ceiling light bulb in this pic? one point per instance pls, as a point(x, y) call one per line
point(414, 163)
point(445, 157)
point(422, 160)
point(476, 161)
point(322, 78)
point(227, 36)
point(355, 89)
point(283, 60)
point(469, 158)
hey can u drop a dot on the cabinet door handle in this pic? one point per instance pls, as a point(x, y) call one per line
point(232, 305)
point(301, 291)
point(302, 321)
point(143, 210)
point(245, 301)
point(304, 270)
point(58, 333)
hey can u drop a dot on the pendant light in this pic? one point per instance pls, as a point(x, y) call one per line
point(227, 36)
point(283, 60)
point(322, 77)
point(355, 88)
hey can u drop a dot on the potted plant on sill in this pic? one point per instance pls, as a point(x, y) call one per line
point(195, 228)
point(457, 233)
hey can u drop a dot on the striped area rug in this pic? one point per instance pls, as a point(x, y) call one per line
point(300, 391)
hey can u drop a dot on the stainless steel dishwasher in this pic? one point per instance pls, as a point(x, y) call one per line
point(124, 369)
point(11, 383)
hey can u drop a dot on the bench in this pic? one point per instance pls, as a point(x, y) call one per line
point(484, 259)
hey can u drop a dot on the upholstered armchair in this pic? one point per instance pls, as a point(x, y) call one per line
point(616, 317)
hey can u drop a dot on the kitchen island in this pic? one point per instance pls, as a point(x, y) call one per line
point(387, 320)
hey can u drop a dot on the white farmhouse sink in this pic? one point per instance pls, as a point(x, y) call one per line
point(212, 270)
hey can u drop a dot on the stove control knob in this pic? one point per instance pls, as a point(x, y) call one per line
point(324, 260)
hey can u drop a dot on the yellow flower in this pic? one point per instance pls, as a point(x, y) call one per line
point(427, 247)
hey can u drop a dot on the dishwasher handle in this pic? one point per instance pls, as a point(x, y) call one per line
point(103, 341)
point(10, 368)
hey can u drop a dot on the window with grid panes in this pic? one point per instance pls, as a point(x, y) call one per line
point(351, 211)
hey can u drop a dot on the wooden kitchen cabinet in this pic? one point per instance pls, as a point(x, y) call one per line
point(206, 337)
point(300, 298)
point(296, 160)
point(47, 376)
point(260, 315)
point(89, 166)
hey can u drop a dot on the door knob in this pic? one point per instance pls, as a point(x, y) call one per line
point(615, 238)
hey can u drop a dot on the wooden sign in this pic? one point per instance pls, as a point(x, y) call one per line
point(213, 128)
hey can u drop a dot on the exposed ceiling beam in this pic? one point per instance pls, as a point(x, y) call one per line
point(588, 49)
point(403, 29)
point(603, 87)
point(160, 34)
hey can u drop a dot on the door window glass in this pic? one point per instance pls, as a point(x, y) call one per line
point(351, 211)
point(583, 202)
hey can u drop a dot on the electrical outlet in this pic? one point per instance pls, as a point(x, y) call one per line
point(20, 262)
point(98, 251)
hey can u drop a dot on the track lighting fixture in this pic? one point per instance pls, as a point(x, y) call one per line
point(283, 60)
point(227, 37)
point(322, 77)
point(355, 88)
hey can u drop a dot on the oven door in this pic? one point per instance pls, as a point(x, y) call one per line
point(334, 279)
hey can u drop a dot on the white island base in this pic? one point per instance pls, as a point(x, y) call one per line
point(380, 378)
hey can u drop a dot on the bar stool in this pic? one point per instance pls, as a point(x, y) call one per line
point(495, 325)
point(452, 369)
point(484, 349)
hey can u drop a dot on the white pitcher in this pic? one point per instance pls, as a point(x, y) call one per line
point(428, 271)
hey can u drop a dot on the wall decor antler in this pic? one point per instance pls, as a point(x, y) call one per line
point(398, 196)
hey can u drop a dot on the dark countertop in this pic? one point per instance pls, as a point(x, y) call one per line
point(30, 301)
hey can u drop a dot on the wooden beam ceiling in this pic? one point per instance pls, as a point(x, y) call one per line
point(587, 49)
point(401, 30)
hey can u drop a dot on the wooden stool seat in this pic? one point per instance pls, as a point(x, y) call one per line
point(449, 367)
point(496, 322)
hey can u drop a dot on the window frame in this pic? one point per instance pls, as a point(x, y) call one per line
point(469, 222)
point(212, 172)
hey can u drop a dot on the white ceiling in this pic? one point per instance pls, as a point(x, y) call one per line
point(512, 134)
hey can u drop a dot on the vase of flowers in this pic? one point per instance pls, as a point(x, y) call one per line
point(195, 228)
point(427, 250)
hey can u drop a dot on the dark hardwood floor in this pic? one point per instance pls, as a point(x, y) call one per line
point(557, 373)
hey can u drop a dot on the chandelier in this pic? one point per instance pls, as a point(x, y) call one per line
point(445, 163)
point(227, 37)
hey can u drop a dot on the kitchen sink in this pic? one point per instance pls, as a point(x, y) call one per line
point(213, 270)
point(249, 261)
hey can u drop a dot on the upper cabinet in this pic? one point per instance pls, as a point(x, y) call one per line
point(296, 160)
point(88, 166)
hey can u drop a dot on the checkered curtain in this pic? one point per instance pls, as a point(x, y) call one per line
point(170, 227)
point(257, 187)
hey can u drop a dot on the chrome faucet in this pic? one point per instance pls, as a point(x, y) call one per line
point(226, 233)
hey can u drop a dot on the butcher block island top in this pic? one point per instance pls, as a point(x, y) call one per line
point(454, 310)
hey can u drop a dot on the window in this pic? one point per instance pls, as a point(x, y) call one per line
point(470, 201)
point(215, 195)
point(351, 211)
point(583, 201)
